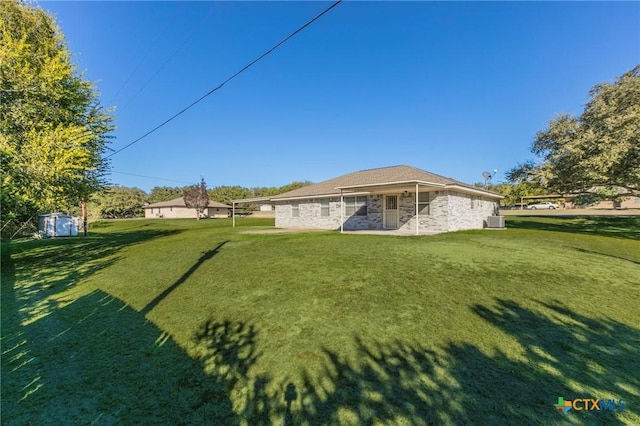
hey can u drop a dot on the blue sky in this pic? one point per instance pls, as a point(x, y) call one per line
point(455, 88)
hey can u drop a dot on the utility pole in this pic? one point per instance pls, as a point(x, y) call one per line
point(84, 217)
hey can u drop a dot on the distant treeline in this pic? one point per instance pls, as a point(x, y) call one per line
point(119, 202)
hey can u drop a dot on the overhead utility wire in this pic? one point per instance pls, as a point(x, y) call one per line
point(184, 43)
point(150, 177)
point(228, 79)
point(146, 55)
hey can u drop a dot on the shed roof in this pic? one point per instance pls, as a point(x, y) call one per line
point(179, 202)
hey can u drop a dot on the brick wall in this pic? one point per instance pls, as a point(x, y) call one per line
point(448, 211)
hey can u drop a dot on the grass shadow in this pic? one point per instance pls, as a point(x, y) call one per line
point(205, 257)
point(40, 269)
point(626, 227)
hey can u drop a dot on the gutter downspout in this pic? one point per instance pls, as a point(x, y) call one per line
point(417, 214)
point(341, 212)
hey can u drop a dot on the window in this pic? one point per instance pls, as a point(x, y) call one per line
point(355, 206)
point(424, 203)
point(476, 202)
point(295, 210)
point(324, 208)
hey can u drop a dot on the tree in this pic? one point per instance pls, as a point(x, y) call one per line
point(165, 193)
point(196, 197)
point(118, 202)
point(53, 132)
point(600, 148)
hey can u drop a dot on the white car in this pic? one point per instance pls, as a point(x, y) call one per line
point(543, 206)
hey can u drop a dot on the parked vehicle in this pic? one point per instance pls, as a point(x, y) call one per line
point(546, 205)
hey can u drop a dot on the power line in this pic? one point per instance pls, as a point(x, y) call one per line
point(151, 177)
point(246, 67)
point(146, 55)
point(155, 74)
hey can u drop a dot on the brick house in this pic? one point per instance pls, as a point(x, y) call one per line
point(400, 198)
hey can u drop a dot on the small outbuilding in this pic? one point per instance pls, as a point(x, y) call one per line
point(58, 225)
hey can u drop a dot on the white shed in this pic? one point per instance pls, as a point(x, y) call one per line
point(58, 225)
point(266, 207)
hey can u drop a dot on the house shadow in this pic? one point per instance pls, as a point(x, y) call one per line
point(98, 361)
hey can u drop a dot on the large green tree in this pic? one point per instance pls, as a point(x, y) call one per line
point(117, 202)
point(600, 148)
point(165, 193)
point(53, 131)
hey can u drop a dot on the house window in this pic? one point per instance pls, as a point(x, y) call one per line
point(424, 203)
point(473, 199)
point(324, 208)
point(355, 206)
point(295, 210)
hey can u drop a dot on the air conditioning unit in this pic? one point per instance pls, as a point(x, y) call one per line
point(495, 222)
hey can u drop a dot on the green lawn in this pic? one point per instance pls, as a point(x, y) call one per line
point(172, 321)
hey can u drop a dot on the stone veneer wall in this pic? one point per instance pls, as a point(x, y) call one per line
point(449, 211)
point(462, 216)
point(309, 214)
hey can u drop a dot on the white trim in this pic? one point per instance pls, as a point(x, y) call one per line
point(341, 212)
point(400, 182)
point(474, 191)
point(313, 197)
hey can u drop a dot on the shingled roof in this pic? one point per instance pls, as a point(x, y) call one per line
point(179, 202)
point(372, 177)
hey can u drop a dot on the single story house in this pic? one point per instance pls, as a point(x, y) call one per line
point(400, 198)
point(176, 208)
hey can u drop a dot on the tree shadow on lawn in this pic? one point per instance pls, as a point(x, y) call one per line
point(627, 227)
point(41, 269)
point(564, 354)
point(97, 361)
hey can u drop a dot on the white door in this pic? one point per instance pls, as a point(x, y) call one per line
point(390, 214)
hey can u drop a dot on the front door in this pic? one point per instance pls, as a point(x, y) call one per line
point(390, 214)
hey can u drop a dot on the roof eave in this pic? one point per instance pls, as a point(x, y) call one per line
point(400, 182)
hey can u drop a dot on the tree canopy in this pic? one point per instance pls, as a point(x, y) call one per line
point(196, 197)
point(53, 131)
point(117, 202)
point(600, 148)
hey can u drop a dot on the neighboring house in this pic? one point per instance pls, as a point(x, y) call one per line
point(176, 208)
point(401, 198)
point(266, 207)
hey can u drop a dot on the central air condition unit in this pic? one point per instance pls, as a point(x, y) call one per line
point(495, 222)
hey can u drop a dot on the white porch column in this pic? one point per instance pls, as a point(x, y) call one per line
point(417, 214)
point(233, 214)
point(341, 212)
